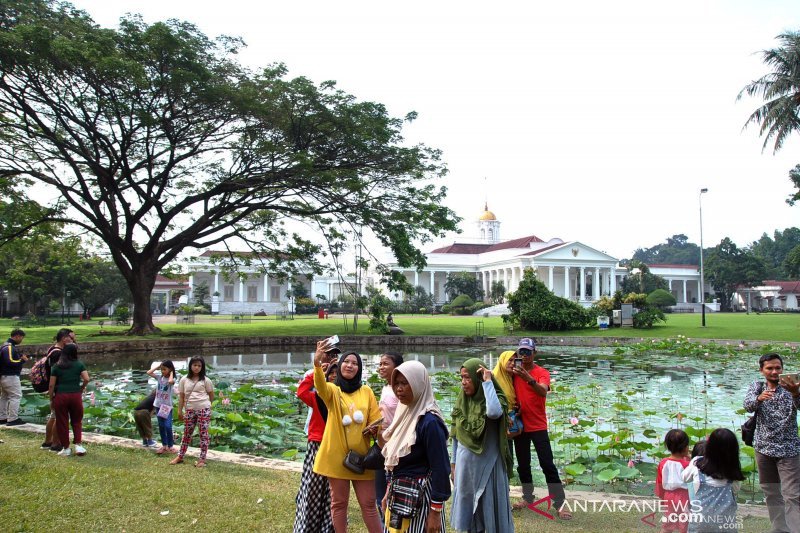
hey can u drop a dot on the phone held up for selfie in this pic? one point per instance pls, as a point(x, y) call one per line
point(332, 341)
point(518, 362)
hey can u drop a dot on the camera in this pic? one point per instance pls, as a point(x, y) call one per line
point(395, 521)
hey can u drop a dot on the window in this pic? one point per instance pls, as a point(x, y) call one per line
point(274, 294)
point(252, 293)
point(228, 294)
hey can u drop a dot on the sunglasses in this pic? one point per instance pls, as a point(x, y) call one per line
point(525, 352)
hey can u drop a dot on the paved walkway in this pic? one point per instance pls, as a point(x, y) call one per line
point(294, 466)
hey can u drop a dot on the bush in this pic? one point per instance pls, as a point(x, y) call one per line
point(462, 305)
point(645, 318)
point(534, 307)
point(122, 313)
point(660, 298)
point(446, 309)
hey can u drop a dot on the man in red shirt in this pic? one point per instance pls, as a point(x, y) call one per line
point(531, 384)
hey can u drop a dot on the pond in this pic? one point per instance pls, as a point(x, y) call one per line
point(609, 408)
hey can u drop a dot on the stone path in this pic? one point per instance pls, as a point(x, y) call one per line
point(590, 498)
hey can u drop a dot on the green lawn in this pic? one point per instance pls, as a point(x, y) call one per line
point(735, 326)
point(121, 489)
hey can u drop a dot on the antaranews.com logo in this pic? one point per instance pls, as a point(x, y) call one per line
point(654, 512)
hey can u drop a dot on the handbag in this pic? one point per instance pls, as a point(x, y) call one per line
point(374, 458)
point(164, 411)
point(406, 493)
point(354, 462)
point(749, 427)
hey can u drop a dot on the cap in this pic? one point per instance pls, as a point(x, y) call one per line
point(333, 351)
point(527, 344)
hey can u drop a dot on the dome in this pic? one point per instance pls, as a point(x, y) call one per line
point(487, 215)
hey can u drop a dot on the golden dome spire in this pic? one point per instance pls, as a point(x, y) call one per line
point(487, 215)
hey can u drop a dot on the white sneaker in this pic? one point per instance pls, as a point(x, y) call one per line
point(66, 452)
point(80, 451)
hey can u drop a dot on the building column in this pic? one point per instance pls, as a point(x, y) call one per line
point(191, 287)
point(241, 290)
point(684, 292)
point(216, 282)
point(266, 287)
point(566, 283)
point(583, 284)
point(416, 280)
point(550, 278)
point(613, 285)
point(432, 285)
point(596, 284)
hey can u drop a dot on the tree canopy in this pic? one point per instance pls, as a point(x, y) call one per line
point(727, 267)
point(458, 283)
point(677, 250)
point(157, 141)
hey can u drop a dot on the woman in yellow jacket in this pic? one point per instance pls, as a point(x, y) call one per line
point(352, 408)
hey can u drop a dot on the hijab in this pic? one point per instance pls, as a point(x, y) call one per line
point(504, 379)
point(349, 385)
point(321, 407)
point(469, 415)
point(401, 434)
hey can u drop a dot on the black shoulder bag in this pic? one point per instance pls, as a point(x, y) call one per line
point(749, 427)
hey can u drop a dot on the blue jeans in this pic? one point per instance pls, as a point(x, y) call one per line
point(165, 429)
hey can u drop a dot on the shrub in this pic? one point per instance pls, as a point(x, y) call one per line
point(645, 318)
point(660, 298)
point(122, 313)
point(462, 305)
point(534, 307)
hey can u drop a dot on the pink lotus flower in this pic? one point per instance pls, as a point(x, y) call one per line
point(573, 421)
point(631, 463)
point(226, 401)
point(91, 399)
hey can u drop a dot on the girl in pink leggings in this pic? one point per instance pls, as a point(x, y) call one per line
point(196, 393)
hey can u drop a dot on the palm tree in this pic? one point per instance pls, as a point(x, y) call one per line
point(780, 89)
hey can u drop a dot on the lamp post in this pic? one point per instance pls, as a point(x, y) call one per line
point(702, 272)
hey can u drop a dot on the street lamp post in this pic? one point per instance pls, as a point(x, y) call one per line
point(702, 272)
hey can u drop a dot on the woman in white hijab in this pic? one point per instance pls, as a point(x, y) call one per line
point(416, 455)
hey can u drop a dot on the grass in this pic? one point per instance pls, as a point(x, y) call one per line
point(121, 489)
point(736, 326)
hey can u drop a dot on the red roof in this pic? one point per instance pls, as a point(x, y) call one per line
point(787, 287)
point(164, 282)
point(465, 248)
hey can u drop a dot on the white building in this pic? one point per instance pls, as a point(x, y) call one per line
point(251, 291)
point(772, 295)
point(570, 269)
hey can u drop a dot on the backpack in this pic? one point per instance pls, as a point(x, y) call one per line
point(749, 427)
point(40, 375)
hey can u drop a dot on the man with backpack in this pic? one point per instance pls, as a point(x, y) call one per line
point(64, 336)
point(11, 361)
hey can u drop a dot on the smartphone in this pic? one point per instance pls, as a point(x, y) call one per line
point(378, 422)
point(518, 362)
point(791, 377)
point(332, 341)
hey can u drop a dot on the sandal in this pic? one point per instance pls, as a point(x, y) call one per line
point(200, 464)
point(521, 504)
point(161, 450)
point(178, 460)
point(563, 514)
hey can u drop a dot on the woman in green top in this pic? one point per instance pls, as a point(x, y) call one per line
point(68, 380)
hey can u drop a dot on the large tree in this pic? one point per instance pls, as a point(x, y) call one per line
point(459, 283)
point(778, 116)
point(773, 251)
point(677, 250)
point(727, 267)
point(156, 140)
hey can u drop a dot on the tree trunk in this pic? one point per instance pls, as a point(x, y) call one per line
point(141, 283)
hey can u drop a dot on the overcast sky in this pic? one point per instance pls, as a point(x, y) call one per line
point(590, 121)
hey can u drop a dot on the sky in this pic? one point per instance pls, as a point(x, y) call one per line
point(591, 121)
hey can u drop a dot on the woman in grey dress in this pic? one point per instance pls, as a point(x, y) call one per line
point(481, 455)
